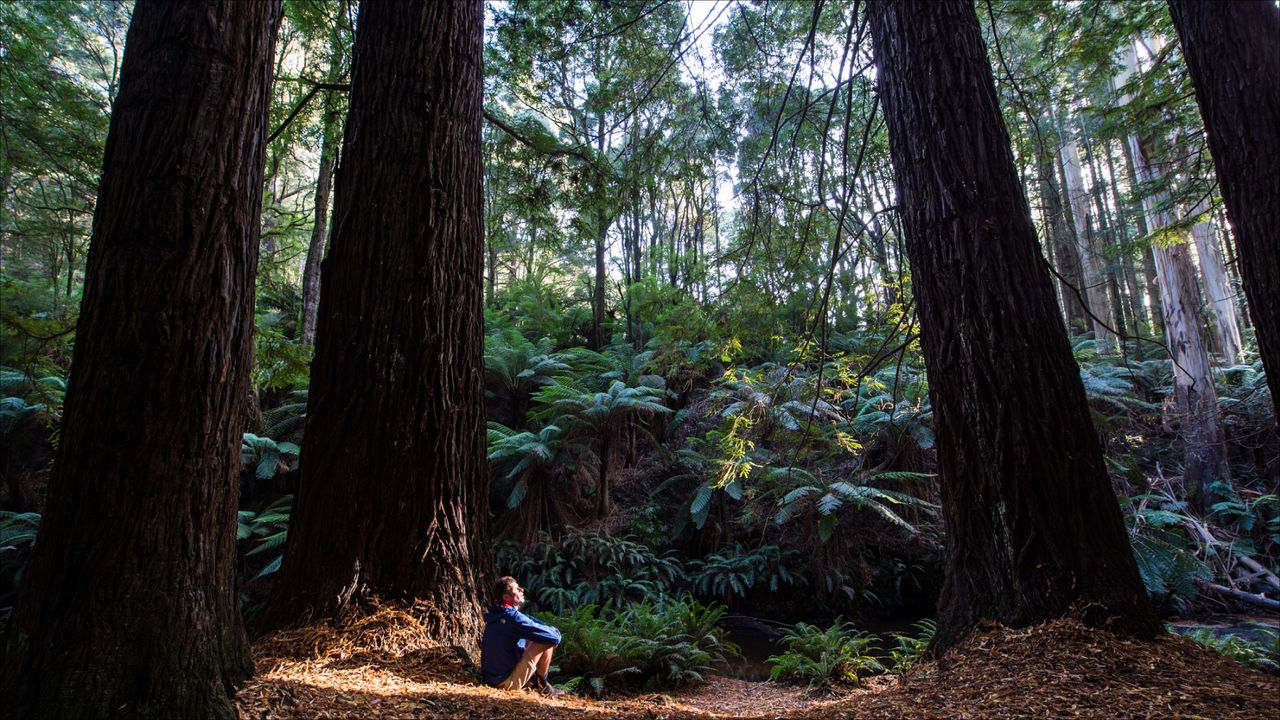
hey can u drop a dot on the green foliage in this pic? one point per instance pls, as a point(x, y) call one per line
point(587, 568)
point(908, 649)
point(1164, 553)
point(287, 420)
point(829, 496)
point(729, 576)
point(267, 456)
point(839, 655)
point(266, 532)
point(514, 368)
point(601, 410)
point(17, 538)
point(1256, 516)
point(646, 645)
point(1264, 655)
point(31, 394)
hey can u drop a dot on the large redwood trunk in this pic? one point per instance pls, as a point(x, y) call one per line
point(393, 482)
point(1033, 527)
point(128, 608)
point(1230, 49)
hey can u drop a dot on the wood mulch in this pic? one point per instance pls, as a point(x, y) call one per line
point(381, 667)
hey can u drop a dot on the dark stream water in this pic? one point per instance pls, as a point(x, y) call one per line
point(1249, 627)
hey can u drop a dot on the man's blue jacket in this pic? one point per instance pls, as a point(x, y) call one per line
point(505, 632)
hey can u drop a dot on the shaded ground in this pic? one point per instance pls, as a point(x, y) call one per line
point(378, 668)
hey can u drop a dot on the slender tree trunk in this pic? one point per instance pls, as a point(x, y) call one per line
point(598, 287)
point(1222, 301)
point(1033, 527)
point(1230, 52)
point(491, 276)
point(1122, 308)
point(1149, 274)
point(603, 491)
point(1194, 393)
point(603, 220)
point(1093, 282)
point(1133, 283)
point(319, 233)
point(1062, 250)
point(393, 493)
point(128, 606)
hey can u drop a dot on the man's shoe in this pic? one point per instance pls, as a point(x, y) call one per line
point(544, 686)
point(551, 690)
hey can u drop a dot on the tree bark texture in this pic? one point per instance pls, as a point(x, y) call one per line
point(1033, 527)
point(128, 607)
point(393, 498)
point(1230, 50)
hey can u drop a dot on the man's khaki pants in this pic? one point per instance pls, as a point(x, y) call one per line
point(521, 673)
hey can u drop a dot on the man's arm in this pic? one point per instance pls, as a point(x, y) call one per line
point(528, 628)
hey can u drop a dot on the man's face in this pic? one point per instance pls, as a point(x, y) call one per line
point(516, 595)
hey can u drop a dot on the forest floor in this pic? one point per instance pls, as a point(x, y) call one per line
point(379, 668)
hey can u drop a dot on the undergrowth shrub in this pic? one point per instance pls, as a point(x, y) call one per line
point(585, 568)
point(17, 538)
point(908, 649)
point(839, 655)
point(643, 646)
point(1165, 554)
point(1263, 655)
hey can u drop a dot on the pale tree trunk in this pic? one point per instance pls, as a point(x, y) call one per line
point(1222, 301)
point(1194, 393)
point(598, 339)
point(1092, 279)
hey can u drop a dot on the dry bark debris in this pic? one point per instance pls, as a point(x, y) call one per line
point(382, 666)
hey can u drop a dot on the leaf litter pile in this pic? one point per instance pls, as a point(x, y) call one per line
point(382, 666)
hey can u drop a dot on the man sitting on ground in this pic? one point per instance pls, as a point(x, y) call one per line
point(517, 649)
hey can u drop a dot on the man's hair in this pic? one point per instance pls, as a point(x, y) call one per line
point(506, 585)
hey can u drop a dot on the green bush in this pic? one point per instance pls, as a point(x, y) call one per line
point(643, 646)
point(1263, 656)
point(910, 648)
point(586, 568)
point(267, 532)
point(728, 576)
point(1165, 555)
point(839, 655)
point(17, 538)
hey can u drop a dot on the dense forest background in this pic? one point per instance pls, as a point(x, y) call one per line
point(703, 369)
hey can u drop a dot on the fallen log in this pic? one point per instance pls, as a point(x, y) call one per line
point(1259, 570)
point(1252, 598)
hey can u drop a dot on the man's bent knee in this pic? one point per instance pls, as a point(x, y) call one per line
point(526, 666)
point(533, 648)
